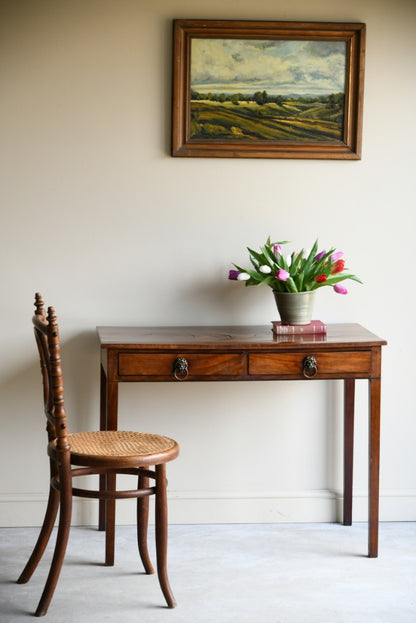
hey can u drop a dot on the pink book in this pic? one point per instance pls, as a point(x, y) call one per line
point(314, 327)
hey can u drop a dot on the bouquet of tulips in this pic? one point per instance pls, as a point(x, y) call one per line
point(298, 272)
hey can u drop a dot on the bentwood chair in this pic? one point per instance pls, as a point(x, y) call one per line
point(94, 452)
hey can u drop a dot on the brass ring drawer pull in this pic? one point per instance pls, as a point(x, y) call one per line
point(180, 369)
point(310, 366)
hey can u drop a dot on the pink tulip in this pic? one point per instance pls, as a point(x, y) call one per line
point(277, 249)
point(340, 289)
point(282, 275)
point(337, 256)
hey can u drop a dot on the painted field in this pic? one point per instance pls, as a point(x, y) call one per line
point(291, 120)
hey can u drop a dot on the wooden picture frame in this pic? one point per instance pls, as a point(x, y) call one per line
point(261, 89)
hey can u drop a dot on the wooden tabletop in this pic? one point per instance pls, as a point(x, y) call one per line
point(231, 337)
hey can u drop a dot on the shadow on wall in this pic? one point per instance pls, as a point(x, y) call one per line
point(21, 390)
point(213, 301)
point(81, 368)
point(334, 443)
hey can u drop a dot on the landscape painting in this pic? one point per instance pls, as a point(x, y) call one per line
point(246, 89)
point(267, 89)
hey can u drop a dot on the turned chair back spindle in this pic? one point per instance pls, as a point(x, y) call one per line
point(47, 339)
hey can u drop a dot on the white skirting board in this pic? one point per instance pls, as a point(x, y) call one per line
point(18, 510)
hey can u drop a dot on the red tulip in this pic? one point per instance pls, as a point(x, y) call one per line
point(338, 267)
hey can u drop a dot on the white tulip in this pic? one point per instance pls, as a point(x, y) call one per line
point(243, 277)
point(265, 269)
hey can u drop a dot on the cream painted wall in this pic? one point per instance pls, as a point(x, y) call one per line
point(98, 217)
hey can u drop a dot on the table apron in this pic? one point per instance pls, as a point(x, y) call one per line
point(136, 366)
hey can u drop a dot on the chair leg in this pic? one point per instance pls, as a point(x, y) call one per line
point(43, 538)
point(162, 534)
point(142, 524)
point(59, 553)
point(110, 522)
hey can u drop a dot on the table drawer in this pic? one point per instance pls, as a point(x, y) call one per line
point(328, 364)
point(197, 365)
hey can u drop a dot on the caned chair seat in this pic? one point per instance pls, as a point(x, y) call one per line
point(105, 453)
point(109, 447)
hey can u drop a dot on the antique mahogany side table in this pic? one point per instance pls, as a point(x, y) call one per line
point(248, 353)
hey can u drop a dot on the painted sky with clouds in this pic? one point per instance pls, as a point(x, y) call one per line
point(278, 67)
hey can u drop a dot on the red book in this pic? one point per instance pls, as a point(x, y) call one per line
point(316, 327)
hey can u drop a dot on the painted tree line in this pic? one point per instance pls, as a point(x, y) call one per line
point(333, 100)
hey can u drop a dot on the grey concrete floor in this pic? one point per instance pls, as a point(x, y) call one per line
point(263, 573)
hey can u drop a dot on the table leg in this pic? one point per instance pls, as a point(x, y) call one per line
point(374, 466)
point(349, 397)
point(103, 426)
